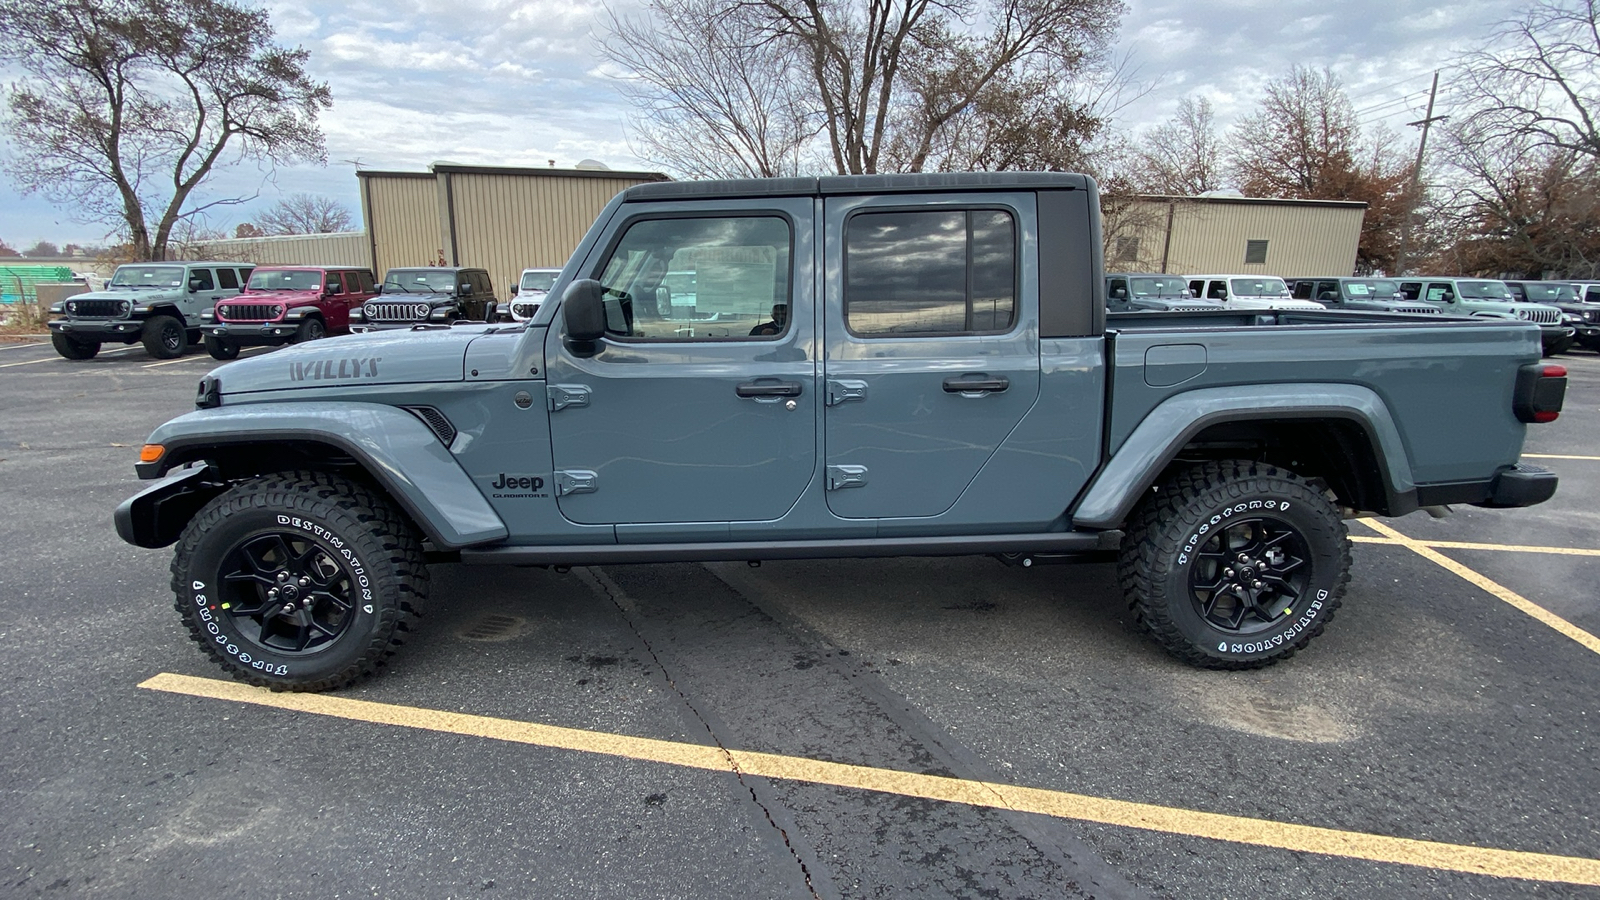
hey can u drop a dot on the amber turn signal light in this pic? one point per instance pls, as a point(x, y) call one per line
point(151, 452)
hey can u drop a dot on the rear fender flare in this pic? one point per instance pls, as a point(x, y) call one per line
point(1157, 440)
point(393, 446)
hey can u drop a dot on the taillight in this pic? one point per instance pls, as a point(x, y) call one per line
point(1541, 389)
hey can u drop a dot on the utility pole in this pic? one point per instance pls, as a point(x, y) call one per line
point(1416, 177)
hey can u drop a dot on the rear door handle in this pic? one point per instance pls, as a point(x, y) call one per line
point(768, 389)
point(976, 384)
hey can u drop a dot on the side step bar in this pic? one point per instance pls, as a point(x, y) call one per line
point(740, 551)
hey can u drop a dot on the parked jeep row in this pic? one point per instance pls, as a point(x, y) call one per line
point(159, 304)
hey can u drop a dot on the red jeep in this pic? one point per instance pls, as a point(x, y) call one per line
point(284, 304)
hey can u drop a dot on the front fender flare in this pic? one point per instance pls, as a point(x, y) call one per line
point(1172, 424)
point(394, 447)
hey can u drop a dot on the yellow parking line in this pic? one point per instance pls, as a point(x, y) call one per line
point(1559, 456)
point(1504, 593)
point(1060, 804)
point(1471, 545)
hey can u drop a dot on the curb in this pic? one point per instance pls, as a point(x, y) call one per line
point(22, 338)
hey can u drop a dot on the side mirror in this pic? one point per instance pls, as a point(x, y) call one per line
point(489, 311)
point(583, 311)
point(377, 289)
point(1119, 293)
point(194, 285)
point(514, 289)
point(1328, 297)
point(327, 290)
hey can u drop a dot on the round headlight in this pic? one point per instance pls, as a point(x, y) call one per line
point(72, 307)
point(124, 308)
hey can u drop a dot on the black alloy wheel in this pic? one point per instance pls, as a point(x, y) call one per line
point(287, 593)
point(1250, 575)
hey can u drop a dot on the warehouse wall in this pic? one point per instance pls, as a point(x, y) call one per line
point(500, 219)
point(1211, 235)
point(345, 248)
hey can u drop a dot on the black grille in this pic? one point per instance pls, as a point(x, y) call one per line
point(1421, 309)
point(97, 309)
point(436, 422)
point(248, 312)
point(396, 312)
point(525, 310)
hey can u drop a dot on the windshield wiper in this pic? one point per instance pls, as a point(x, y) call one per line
point(400, 287)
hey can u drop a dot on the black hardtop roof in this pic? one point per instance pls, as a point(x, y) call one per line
point(1147, 275)
point(435, 269)
point(860, 184)
point(274, 267)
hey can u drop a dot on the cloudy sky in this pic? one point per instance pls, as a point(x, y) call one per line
point(519, 83)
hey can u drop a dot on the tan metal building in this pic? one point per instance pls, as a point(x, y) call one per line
point(340, 248)
point(501, 219)
point(1247, 235)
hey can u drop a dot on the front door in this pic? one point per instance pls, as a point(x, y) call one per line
point(931, 329)
point(698, 405)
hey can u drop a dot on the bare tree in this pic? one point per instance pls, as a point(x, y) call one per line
point(248, 230)
point(305, 214)
point(887, 81)
point(1520, 207)
point(713, 94)
point(7, 250)
point(1537, 78)
point(1182, 156)
point(1300, 141)
point(128, 106)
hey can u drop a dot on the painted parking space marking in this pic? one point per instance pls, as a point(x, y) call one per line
point(197, 358)
point(41, 359)
point(1058, 804)
point(1472, 545)
point(1495, 588)
point(1560, 456)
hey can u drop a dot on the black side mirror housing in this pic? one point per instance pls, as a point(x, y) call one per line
point(1119, 293)
point(514, 289)
point(194, 285)
point(583, 313)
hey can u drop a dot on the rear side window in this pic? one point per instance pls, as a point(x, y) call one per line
point(1302, 290)
point(930, 272)
point(365, 278)
point(228, 278)
point(204, 277)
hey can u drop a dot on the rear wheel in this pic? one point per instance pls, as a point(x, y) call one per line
point(221, 348)
point(311, 329)
point(1235, 564)
point(72, 348)
point(299, 581)
point(164, 337)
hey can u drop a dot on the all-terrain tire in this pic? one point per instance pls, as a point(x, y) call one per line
point(164, 337)
point(1560, 346)
point(299, 581)
point(221, 348)
point(72, 348)
point(1234, 564)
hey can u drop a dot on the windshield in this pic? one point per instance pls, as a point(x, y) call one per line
point(1550, 293)
point(420, 281)
point(147, 276)
point(1484, 290)
point(1372, 289)
point(1258, 287)
point(1159, 287)
point(285, 280)
point(538, 281)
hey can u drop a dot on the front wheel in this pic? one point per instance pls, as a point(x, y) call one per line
point(72, 348)
point(1558, 346)
point(299, 581)
point(311, 329)
point(1235, 564)
point(164, 337)
point(221, 348)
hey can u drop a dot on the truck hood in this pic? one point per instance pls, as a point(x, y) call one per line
point(135, 295)
point(382, 357)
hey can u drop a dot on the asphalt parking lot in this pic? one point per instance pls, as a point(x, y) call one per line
point(890, 728)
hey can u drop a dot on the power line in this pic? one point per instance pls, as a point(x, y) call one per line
point(1376, 91)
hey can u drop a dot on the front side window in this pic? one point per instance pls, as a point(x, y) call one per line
point(1159, 287)
point(203, 276)
point(736, 271)
point(939, 272)
point(1438, 293)
point(1260, 287)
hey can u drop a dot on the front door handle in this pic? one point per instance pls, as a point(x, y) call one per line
point(768, 389)
point(976, 384)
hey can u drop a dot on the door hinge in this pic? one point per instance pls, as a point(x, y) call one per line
point(564, 395)
point(575, 481)
point(845, 390)
point(841, 477)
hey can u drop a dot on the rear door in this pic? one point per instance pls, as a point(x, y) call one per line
point(932, 348)
point(701, 412)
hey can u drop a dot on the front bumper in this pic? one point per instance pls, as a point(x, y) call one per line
point(125, 330)
point(363, 327)
point(1555, 335)
point(249, 334)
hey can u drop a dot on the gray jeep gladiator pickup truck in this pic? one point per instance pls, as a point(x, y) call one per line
point(868, 366)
